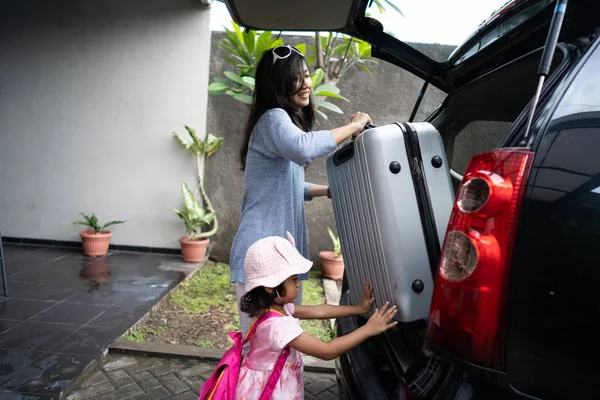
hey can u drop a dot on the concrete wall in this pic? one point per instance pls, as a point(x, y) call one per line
point(388, 96)
point(90, 93)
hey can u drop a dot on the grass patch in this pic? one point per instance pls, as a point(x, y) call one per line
point(202, 310)
point(314, 294)
point(141, 333)
point(209, 287)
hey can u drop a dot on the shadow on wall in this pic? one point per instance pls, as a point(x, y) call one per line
point(388, 96)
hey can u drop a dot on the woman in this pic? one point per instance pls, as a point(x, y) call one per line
point(278, 145)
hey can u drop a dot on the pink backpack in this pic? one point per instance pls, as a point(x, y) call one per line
point(222, 383)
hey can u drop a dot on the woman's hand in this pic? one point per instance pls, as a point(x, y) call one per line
point(367, 298)
point(361, 119)
point(379, 321)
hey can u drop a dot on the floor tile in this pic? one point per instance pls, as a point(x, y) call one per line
point(40, 274)
point(22, 309)
point(89, 340)
point(81, 289)
point(144, 298)
point(16, 266)
point(13, 361)
point(35, 336)
point(6, 324)
point(15, 252)
point(49, 374)
point(69, 313)
point(104, 295)
point(12, 395)
point(120, 317)
point(48, 254)
point(16, 288)
point(124, 393)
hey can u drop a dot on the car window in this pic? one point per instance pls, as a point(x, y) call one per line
point(477, 137)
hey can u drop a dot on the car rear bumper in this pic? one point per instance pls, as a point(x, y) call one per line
point(363, 374)
point(356, 375)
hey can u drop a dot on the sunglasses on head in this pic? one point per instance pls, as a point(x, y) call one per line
point(282, 52)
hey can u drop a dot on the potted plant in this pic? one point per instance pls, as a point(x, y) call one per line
point(332, 262)
point(194, 215)
point(97, 239)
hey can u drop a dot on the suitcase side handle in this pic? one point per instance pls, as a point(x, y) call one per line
point(346, 153)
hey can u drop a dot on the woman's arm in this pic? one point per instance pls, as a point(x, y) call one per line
point(317, 191)
point(326, 311)
point(312, 346)
point(359, 120)
point(284, 139)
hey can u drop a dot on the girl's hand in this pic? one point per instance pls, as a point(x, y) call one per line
point(367, 298)
point(379, 321)
point(361, 119)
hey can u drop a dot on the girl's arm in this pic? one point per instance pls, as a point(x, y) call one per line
point(312, 346)
point(325, 311)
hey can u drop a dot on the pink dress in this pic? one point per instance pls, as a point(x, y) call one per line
point(266, 344)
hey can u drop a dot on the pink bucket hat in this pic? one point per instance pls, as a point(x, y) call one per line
point(272, 260)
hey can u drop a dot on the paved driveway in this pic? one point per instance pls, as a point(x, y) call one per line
point(124, 376)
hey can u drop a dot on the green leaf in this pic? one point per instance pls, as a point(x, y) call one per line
point(329, 94)
point(250, 82)
point(317, 77)
point(227, 48)
point(321, 114)
point(329, 106)
point(212, 144)
point(366, 69)
point(394, 7)
point(340, 49)
point(182, 142)
point(302, 48)
point(327, 87)
point(310, 60)
point(275, 43)
point(244, 98)
point(217, 87)
point(236, 78)
point(111, 223)
point(250, 40)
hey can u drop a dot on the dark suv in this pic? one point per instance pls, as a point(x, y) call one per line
point(515, 308)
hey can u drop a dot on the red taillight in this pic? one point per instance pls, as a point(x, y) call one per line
point(467, 313)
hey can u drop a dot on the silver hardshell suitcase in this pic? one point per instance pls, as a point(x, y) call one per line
point(392, 197)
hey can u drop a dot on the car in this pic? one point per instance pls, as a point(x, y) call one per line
point(515, 306)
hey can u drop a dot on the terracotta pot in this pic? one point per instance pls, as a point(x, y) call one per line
point(95, 245)
point(193, 251)
point(332, 267)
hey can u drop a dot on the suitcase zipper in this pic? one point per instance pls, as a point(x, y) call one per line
point(432, 242)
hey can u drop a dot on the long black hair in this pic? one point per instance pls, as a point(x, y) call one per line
point(258, 300)
point(275, 84)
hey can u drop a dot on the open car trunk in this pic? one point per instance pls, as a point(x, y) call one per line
point(517, 28)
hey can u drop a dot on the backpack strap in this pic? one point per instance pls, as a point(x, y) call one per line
point(270, 387)
point(279, 365)
point(257, 322)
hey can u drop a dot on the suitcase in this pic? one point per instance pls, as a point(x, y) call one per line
point(392, 197)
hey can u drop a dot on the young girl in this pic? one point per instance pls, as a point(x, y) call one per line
point(272, 267)
point(278, 144)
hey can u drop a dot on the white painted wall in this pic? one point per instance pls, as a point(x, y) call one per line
point(90, 93)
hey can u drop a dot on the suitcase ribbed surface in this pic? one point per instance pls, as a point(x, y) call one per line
point(362, 247)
